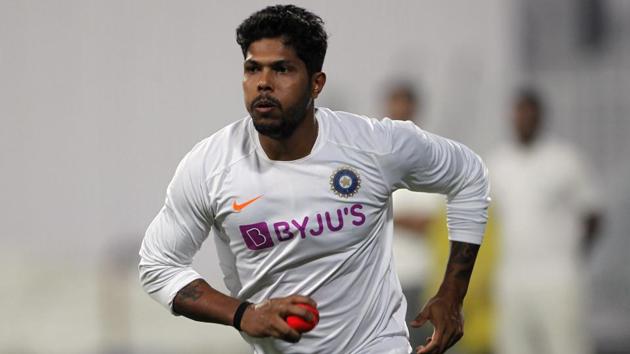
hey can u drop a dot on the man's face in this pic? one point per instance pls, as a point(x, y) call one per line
point(526, 121)
point(400, 106)
point(276, 88)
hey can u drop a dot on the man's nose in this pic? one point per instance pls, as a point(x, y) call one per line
point(266, 81)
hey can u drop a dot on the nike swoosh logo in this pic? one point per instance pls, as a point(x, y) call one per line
point(238, 207)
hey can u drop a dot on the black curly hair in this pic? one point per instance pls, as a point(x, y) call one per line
point(300, 29)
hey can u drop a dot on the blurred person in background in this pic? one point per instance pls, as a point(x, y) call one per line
point(300, 201)
point(549, 215)
point(413, 213)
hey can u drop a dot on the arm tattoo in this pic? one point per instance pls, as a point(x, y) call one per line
point(464, 253)
point(190, 292)
point(461, 262)
point(198, 301)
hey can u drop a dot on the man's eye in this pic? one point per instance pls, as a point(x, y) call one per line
point(251, 69)
point(281, 69)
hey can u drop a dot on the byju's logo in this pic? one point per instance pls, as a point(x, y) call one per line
point(256, 236)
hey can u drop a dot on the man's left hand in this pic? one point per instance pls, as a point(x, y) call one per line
point(445, 313)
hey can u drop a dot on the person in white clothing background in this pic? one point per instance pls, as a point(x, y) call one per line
point(548, 212)
point(299, 201)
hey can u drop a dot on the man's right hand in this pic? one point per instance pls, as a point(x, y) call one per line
point(267, 319)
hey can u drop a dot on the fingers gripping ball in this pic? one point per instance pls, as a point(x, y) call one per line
point(301, 325)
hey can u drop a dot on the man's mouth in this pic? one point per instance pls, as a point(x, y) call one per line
point(265, 105)
point(264, 108)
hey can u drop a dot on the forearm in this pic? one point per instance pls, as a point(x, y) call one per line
point(200, 302)
point(458, 270)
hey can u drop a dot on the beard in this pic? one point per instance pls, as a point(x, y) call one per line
point(280, 123)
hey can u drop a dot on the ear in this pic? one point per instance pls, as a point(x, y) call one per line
point(317, 84)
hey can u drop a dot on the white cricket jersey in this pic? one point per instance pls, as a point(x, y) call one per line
point(320, 226)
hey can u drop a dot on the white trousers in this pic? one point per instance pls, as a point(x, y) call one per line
point(541, 313)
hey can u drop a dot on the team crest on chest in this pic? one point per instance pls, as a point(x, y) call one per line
point(345, 182)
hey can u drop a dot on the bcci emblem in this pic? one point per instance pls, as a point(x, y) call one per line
point(345, 182)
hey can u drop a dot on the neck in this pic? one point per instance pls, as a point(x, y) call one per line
point(296, 146)
point(527, 141)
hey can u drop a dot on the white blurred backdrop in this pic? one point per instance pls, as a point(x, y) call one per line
point(99, 100)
